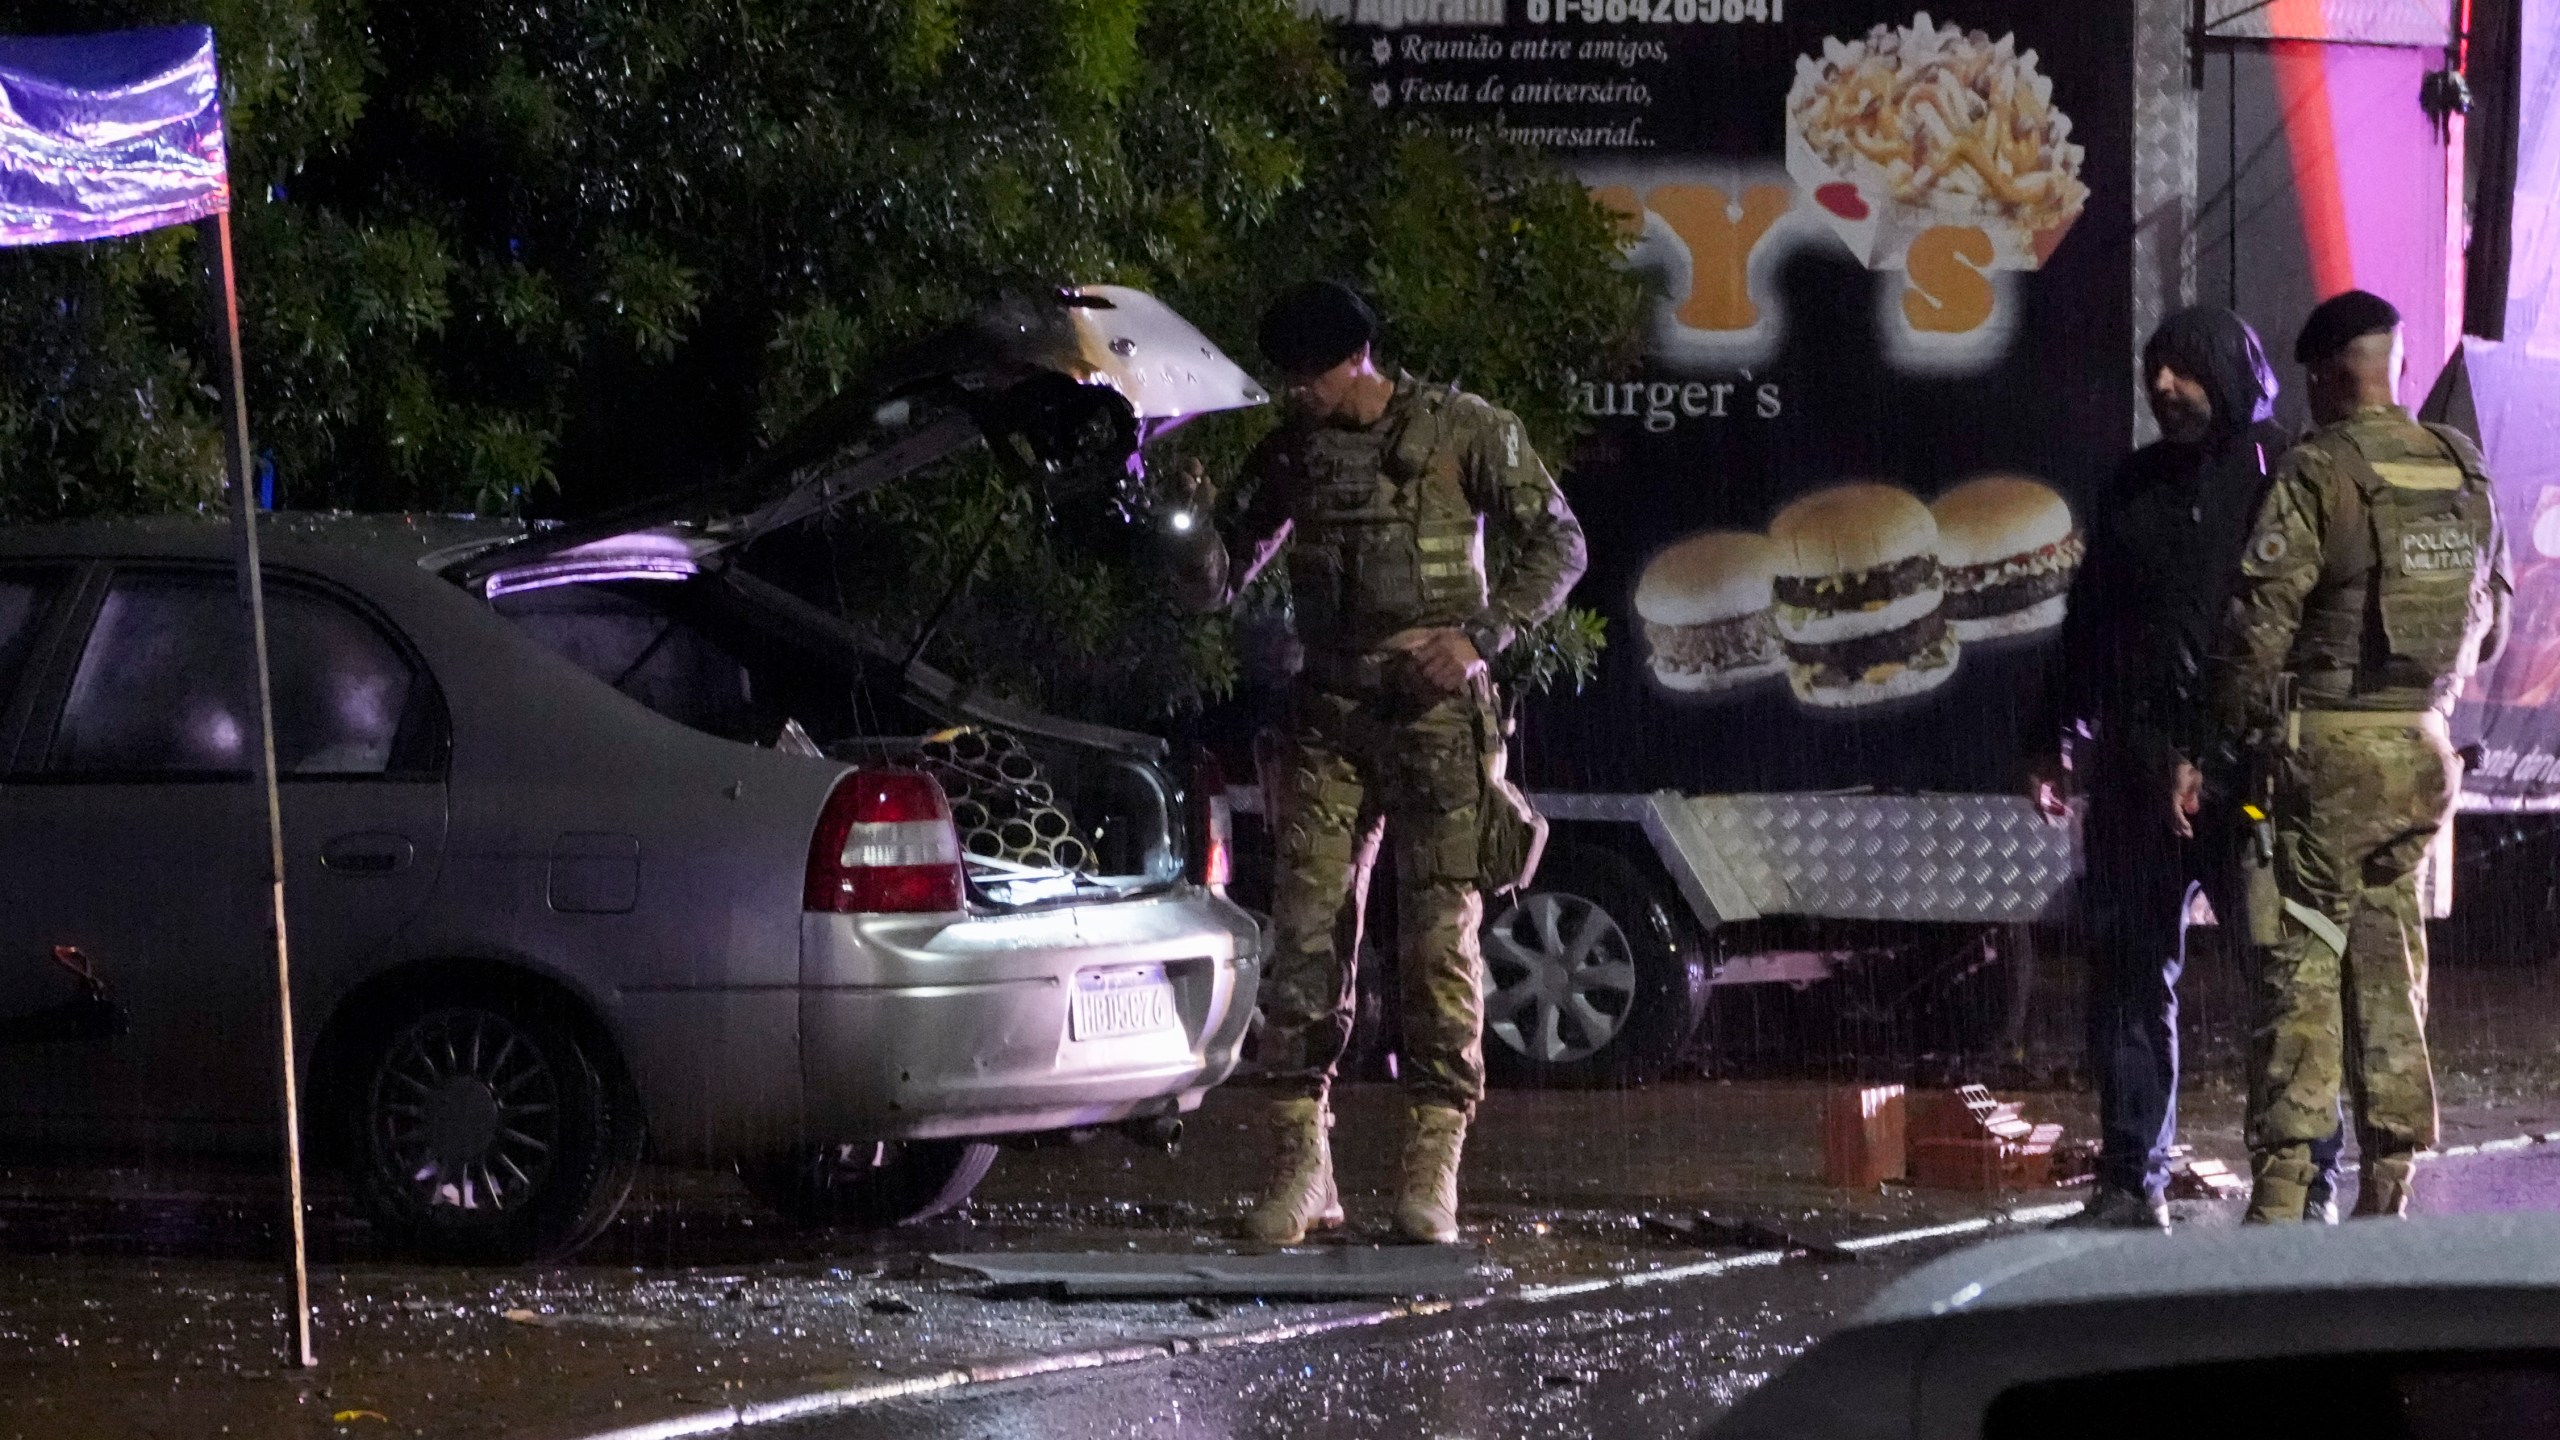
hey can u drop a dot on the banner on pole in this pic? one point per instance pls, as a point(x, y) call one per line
point(104, 135)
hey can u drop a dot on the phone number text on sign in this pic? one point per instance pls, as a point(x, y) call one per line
point(1658, 12)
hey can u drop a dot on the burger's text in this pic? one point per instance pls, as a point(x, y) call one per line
point(1663, 404)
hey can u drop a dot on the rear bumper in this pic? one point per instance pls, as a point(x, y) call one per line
point(918, 1027)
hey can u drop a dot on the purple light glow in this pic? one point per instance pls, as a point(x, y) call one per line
point(546, 577)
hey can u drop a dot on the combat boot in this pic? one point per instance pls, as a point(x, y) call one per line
point(1427, 1200)
point(2283, 1179)
point(2384, 1191)
point(1301, 1196)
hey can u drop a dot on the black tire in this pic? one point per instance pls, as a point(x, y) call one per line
point(488, 1131)
point(1591, 927)
point(871, 1186)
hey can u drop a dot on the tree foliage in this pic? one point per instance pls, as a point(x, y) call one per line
point(540, 256)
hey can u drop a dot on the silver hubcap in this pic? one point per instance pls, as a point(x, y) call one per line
point(467, 1112)
point(1562, 977)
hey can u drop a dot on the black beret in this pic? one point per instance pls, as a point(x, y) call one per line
point(2340, 319)
point(1316, 325)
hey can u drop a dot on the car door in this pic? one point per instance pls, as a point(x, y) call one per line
point(42, 1014)
point(140, 840)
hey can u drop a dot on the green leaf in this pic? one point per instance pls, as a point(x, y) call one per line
point(550, 256)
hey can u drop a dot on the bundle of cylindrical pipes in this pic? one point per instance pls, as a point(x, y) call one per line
point(1002, 802)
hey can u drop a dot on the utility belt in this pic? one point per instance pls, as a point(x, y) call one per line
point(2348, 689)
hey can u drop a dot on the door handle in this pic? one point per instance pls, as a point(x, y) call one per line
point(368, 853)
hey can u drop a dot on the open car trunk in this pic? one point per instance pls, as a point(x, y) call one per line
point(1049, 811)
point(1066, 388)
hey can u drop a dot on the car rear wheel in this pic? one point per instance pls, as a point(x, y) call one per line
point(1594, 976)
point(871, 1186)
point(489, 1133)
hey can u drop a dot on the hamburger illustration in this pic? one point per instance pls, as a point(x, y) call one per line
point(2009, 549)
point(1857, 597)
point(1705, 606)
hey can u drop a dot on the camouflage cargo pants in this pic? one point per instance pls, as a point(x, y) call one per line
point(1424, 774)
point(2342, 998)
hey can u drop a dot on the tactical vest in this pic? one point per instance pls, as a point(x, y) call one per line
point(2394, 603)
point(1384, 538)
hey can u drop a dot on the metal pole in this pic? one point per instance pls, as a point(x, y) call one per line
point(2231, 176)
point(213, 236)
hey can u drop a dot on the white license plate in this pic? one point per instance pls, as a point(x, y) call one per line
point(1110, 1003)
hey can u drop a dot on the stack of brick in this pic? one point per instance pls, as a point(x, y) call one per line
point(1968, 1140)
point(1862, 1136)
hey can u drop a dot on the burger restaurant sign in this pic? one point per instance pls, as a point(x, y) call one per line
point(1834, 519)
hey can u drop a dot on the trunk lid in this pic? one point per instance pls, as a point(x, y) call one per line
point(1074, 381)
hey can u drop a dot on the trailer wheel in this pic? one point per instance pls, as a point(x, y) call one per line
point(1594, 977)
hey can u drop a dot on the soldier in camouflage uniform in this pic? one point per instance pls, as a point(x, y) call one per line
point(2374, 580)
point(1384, 489)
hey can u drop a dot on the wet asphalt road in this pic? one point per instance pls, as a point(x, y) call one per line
point(141, 1303)
point(1642, 1365)
point(1647, 1365)
point(2497, 1180)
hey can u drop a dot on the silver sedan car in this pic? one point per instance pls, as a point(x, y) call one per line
point(599, 846)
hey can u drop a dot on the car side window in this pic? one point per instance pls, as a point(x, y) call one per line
point(649, 653)
point(165, 685)
point(22, 608)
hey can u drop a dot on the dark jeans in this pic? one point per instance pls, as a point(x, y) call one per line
point(2141, 880)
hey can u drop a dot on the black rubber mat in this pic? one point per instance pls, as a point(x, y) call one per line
point(1332, 1272)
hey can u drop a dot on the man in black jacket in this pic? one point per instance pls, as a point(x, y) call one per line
point(2164, 547)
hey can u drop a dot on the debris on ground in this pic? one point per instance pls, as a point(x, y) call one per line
point(2196, 1177)
point(2075, 1161)
point(1706, 1230)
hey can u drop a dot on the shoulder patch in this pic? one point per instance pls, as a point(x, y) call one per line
point(2269, 548)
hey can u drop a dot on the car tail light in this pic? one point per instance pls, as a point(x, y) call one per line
point(1213, 826)
point(885, 844)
